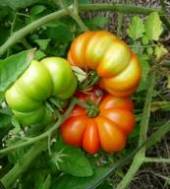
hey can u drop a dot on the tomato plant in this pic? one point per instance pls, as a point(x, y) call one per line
point(40, 94)
point(115, 63)
point(107, 128)
point(50, 77)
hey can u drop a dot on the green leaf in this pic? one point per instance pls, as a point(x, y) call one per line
point(71, 182)
point(39, 55)
point(5, 120)
point(71, 160)
point(153, 26)
point(150, 51)
point(12, 67)
point(145, 40)
point(46, 184)
point(160, 51)
point(136, 28)
point(43, 43)
point(60, 32)
point(37, 9)
point(97, 22)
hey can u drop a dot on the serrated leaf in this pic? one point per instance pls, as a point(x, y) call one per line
point(136, 28)
point(70, 182)
point(39, 55)
point(160, 51)
point(150, 51)
point(73, 161)
point(153, 26)
point(43, 43)
point(12, 67)
point(97, 22)
point(145, 40)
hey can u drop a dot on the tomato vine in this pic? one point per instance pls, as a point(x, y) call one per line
point(42, 142)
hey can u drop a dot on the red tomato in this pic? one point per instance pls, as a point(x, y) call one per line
point(107, 130)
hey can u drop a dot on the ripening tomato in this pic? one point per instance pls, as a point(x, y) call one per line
point(115, 63)
point(108, 129)
point(52, 76)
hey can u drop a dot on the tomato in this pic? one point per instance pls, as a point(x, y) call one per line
point(50, 77)
point(107, 130)
point(115, 63)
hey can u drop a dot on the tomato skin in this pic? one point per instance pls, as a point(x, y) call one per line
point(115, 63)
point(91, 141)
point(73, 130)
point(117, 102)
point(125, 119)
point(108, 130)
point(50, 77)
point(111, 137)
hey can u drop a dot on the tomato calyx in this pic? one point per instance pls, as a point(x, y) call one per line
point(92, 109)
point(60, 104)
point(91, 80)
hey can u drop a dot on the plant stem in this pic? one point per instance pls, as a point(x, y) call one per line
point(22, 164)
point(77, 17)
point(17, 36)
point(122, 8)
point(119, 24)
point(140, 155)
point(79, 21)
point(147, 109)
point(156, 160)
point(160, 105)
point(43, 135)
point(74, 13)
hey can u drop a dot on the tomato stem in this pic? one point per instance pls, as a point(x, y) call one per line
point(91, 80)
point(91, 108)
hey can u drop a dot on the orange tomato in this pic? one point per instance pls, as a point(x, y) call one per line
point(115, 63)
point(107, 130)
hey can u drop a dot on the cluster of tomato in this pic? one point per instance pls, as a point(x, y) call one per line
point(107, 119)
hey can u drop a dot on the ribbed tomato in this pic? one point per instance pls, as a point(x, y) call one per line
point(52, 77)
point(112, 59)
point(107, 130)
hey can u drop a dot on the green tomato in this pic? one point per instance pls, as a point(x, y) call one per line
point(52, 76)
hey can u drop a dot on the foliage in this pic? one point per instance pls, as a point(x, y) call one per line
point(48, 162)
point(68, 156)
